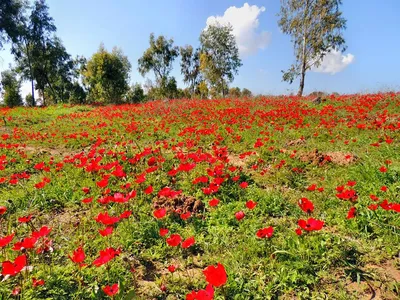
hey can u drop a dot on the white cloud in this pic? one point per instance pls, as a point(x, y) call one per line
point(244, 21)
point(334, 62)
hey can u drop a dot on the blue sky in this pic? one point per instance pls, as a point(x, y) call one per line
point(371, 62)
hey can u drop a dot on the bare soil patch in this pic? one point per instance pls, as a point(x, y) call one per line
point(337, 157)
point(179, 204)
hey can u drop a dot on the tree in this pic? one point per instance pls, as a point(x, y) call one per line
point(107, 75)
point(219, 59)
point(235, 92)
point(135, 94)
point(159, 58)
point(11, 86)
point(190, 67)
point(35, 36)
point(316, 29)
point(29, 100)
point(246, 93)
point(10, 20)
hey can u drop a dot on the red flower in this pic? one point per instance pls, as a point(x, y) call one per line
point(186, 215)
point(383, 169)
point(102, 183)
point(86, 190)
point(206, 294)
point(351, 213)
point(351, 183)
point(3, 210)
point(311, 224)
point(215, 275)
point(298, 231)
point(111, 290)
point(251, 204)
point(105, 256)
point(125, 215)
point(13, 268)
point(105, 219)
point(174, 240)
point(27, 243)
point(37, 282)
point(148, 190)
point(87, 200)
point(188, 242)
point(40, 185)
point(373, 206)
point(160, 213)
point(163, 231)
point(25, 219)
point(244, 185)
point(78, 256)
point(384, 188)
point(107, 231)
point(239, 215)
point(171, 268)
point(6, 240)
point(213, 202)
point(312, 187)
point(265, 232)
point(42, 232)
point(306, 205)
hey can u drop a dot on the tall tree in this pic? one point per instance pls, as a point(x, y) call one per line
point(107, 75)
point(36, 35)
point(316, 29)
point(219, 60)
point(190, 67)
point(11, 12)
point(11, 88)
point(159, 58)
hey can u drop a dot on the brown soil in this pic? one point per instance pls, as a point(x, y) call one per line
point(296, 142)
point(318, 158)
point(179, 204)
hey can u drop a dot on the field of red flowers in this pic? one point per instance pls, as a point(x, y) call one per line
point(260, 198)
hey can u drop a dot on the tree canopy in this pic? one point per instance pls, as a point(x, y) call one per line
point(107, 76)
point(219, 60)
point(315, 27)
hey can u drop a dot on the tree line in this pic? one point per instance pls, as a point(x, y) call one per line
point(40, 57)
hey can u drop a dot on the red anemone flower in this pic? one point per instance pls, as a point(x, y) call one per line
point(265, 232)
point(251, 204)
point(111, 290)
point(163, 231)
point(13, 268)
point(78, 256)
point(6, 240)
point(311, 224)
point(215, 275)
point(188, 242)
point(213, 202)
point(306, 205)
point(239, 215)
point(174, 240)
point(351, 213)
point(160, 213)
point(206, 294)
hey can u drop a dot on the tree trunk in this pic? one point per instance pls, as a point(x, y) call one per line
point(301, 87)
point(31, 73)
point(33, 93)
point(303, 67)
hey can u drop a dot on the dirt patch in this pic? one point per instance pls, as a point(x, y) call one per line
point(179, 204)
point(319, 158)
point(388, 270)
point(235, 161)
point(296, 142)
